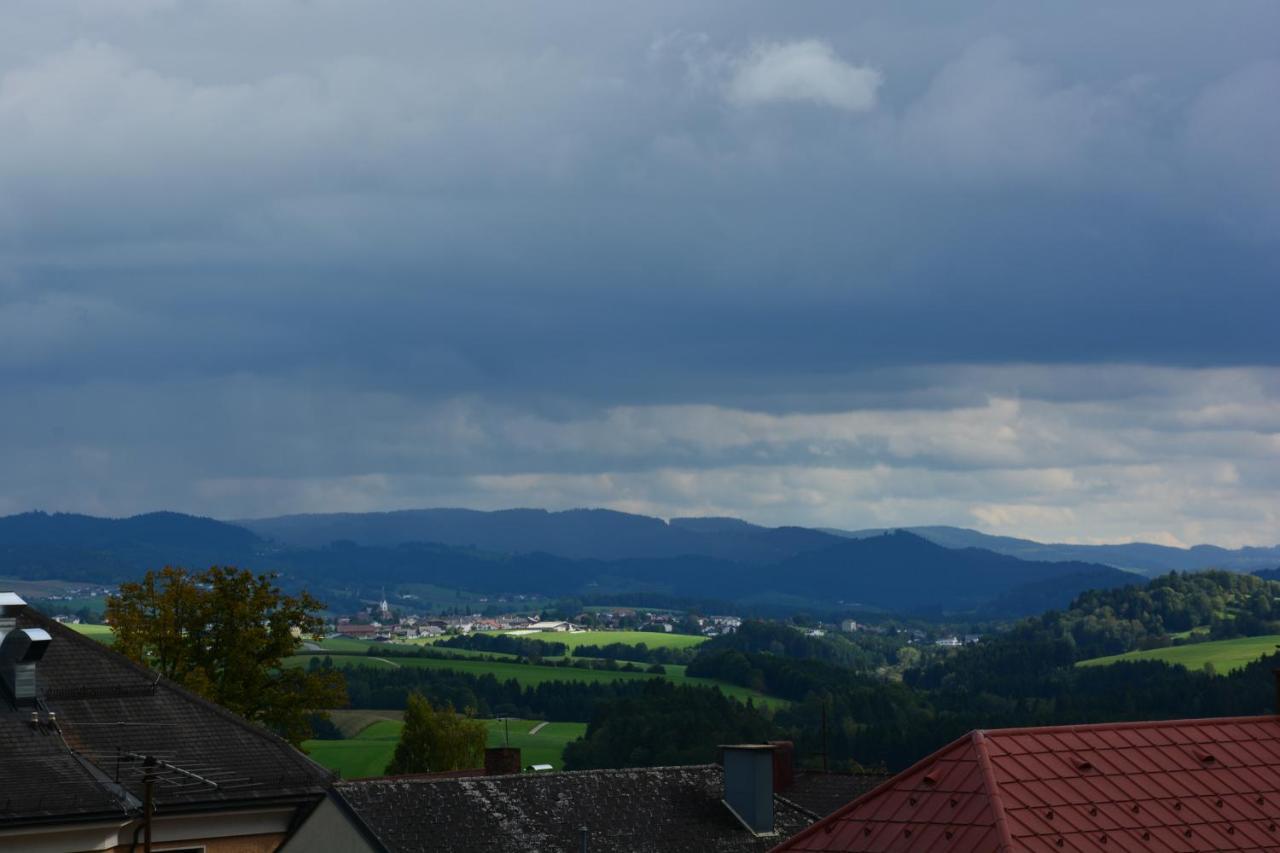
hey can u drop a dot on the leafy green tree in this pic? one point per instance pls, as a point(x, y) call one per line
point(223, 633)
point(436, 740)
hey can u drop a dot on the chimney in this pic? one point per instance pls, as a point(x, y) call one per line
point(784, 764)
point(1276, 674)
point(748, 785)
point(501, 760)
point(20, 648)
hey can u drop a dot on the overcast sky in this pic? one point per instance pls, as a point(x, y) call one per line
point(1009, 266)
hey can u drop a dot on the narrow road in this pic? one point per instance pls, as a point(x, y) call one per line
point(537, 728)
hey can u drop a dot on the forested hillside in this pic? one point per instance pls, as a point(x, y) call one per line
point(1023, 677)
point(39, 545)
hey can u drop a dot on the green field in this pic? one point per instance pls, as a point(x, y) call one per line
point(591, 638)
point(541, 748)
point(531, 675)
point(371, 749)
point(1225, 655)
point(366, 754)
point(631, 638)
point(101, 633)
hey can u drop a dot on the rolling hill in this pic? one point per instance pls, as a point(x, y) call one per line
point(1136, 556)
point(688, 559)
point(583, 534)
point(83, 547)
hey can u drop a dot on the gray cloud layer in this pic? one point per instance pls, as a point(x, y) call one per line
point(839, 264)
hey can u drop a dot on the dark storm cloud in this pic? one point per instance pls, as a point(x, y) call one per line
point(271, 256)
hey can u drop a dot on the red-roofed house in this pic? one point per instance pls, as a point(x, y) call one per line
point(1178, 785)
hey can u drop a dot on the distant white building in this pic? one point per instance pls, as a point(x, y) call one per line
point(551, 626)
point(848, 626)
point(948, 642)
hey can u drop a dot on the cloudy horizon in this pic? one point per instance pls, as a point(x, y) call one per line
point(1002, 267)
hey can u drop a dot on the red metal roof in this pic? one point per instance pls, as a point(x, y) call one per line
point(1177, 785)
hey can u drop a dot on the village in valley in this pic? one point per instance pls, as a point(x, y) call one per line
point(382, 623)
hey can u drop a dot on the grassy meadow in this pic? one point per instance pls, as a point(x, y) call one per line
point(101, 633)
point(592, 638)
point(369, 748)
point(1225, 655)
point(603, 638)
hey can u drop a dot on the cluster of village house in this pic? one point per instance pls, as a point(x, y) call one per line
point(380, 622)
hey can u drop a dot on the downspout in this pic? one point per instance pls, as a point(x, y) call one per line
point(134, 846)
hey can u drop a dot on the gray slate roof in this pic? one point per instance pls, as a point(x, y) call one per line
point(640, 810)
point(822, 793)
point(104, 702)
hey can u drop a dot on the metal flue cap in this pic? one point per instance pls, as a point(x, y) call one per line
point(26, 645)
point(11, 604)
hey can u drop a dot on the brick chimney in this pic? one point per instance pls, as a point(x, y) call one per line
point(784, 764)
point(20, 649)
point(501, 760)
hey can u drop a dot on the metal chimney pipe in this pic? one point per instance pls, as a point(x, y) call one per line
point(20, 649)
point(583, 835)
point(748, 784)
point(1276, 674)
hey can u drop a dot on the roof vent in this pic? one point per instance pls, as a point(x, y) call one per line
point(20, 649)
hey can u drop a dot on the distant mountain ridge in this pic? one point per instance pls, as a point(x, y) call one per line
point(587, 534)
point(83, 547)
point(607, 535)
point(896, 572)
point(1136, 556)
point(721, 559)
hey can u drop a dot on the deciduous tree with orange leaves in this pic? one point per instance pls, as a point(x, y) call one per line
point(224, 633)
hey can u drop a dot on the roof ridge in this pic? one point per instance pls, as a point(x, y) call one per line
point(85, 642)
point(979, 741)
point(1131, 724)
point(601, 771)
